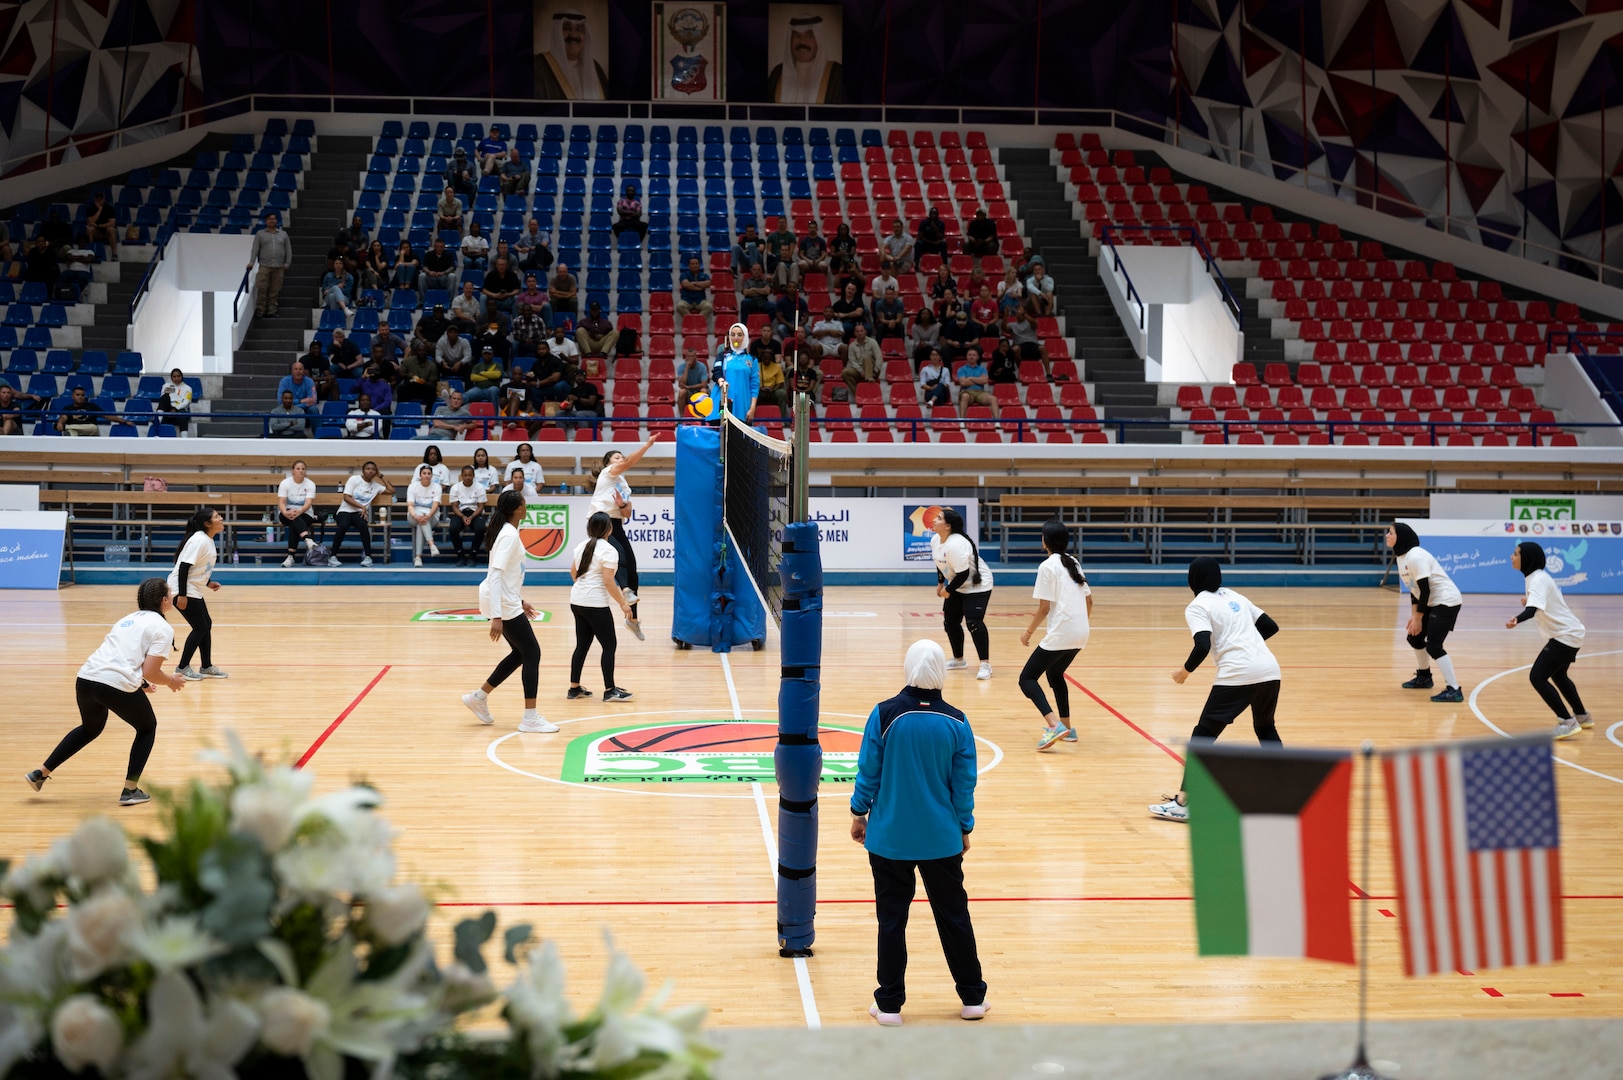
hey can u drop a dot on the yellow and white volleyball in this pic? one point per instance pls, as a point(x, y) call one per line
point(700, 405)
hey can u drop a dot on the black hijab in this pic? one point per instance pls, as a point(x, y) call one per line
point(1532, 556)
point(1205, 576)
point(1406, 539)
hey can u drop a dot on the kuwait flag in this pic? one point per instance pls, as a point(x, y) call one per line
point(1268, 836)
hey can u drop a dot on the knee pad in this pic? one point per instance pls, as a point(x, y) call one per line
point(1435, 650)
point(1416, 641)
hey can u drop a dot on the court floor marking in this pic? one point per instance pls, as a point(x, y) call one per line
point(1559, 760)
point(808, 999)
point(1107, 707)
point(304, 759)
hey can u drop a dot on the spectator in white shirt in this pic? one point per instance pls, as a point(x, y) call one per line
point(363, 420)
point(475, 248)
point(467, 501)
point(422, 503)
point(1040, 288)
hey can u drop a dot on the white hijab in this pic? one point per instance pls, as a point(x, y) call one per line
point(746, 332)
point(926, 665)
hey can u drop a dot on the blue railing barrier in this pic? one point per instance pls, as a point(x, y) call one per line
point(1108, 232)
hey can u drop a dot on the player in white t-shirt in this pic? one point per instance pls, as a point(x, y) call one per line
point(592, 568)
point(1566, 636)
point(194, 569)
point(1435, 600)
point(296, 504)
point(355, 512)
point(1065, 603)
point(518, 481)
point(501, 600)
point(116, 679)
point(485, 474)
point(612, 496)
point(1235, 631)
point(467, 501)
point(524, 456)
point(422, 503)
point(964, 582)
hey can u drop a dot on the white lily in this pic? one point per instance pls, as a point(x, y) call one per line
point(174, 943)
point(31, 977)
point(537, 1007)
point(243, 766)
point(367, 1019)
point(183, 1039)
point(268, 809)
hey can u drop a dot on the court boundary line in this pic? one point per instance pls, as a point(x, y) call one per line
point(304, 759)
point(1107, 707)
point(860, 901)
point(1496, 729)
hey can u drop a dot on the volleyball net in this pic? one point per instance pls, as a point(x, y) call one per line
point(763, 490)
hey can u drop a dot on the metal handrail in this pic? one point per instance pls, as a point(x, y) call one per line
point(1200, 245)
point(1121, 268)
point(143, 286)
point(236, 301)
point(1574, 341)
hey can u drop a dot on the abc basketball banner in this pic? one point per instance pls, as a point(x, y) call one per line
point(856, 534)
point(1584, 557)
point(690, 52)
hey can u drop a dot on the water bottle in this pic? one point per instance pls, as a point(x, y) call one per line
point(563, 489)
point(270, 532)
point(234, 556)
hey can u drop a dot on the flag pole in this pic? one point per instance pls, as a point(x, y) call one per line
point(1360, 1068)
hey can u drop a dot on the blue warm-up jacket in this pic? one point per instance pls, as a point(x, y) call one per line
point(916, 777)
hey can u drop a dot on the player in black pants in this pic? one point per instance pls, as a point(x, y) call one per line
point(592, 569)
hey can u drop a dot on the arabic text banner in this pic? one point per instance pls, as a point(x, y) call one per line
point(857, 534)
point(31, 548)
point(1584, 557)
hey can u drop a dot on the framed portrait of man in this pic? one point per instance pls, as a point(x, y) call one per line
point(804, 48)
point(690, 52)
point(571, 50)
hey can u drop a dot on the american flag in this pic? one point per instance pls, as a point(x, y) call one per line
point(1477, 847)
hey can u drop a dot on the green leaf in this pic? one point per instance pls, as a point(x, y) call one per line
point(304, 931)
point(386, 960)
point(237, 876)
point(196, 822)
point(516, 936)
point(471, 935)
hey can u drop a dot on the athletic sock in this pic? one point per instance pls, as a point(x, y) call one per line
point(531, 714)
point(1445, 665)
point(1422, 660)
point(480, 695)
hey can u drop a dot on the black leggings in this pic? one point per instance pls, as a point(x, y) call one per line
point(201, 639)
point(593, 622)
point(347, 521)
point(526, 651)
point(1225, 703)
point(959, 608)
point(96, 700)
point(1435, 625)
point(474, 531)
point(626, 575)
point(1053, 665)
point(297, 530)
point(1551, 667)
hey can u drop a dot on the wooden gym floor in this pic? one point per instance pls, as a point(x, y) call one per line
point(1082, 905)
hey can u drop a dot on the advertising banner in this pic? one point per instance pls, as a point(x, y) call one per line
point(1584, 557)
point(31, 548)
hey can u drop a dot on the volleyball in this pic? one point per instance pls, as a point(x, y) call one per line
point(700, 405)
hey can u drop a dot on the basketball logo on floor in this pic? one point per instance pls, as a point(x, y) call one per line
point(465, 615)
point(738, 751)
point(544, 530)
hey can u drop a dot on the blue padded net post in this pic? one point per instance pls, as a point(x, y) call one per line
point(798, 759)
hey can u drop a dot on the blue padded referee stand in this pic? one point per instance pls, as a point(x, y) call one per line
point(714, 603)
point(798, 759)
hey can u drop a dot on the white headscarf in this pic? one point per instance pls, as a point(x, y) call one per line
point(579, 78)
point(926, 665)
point(746, 331)
point(802, 82)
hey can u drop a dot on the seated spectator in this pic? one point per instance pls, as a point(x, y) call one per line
point(467, 501)
point(1004, 364)
point(101, 223)
point(974, 383)
point(755, 293)
point(863, 360)
point(562, 347)
point(11, 411)
point(344, 358)
point(747, 252)
point(80, 259)
point(475, 248)
point(519, 400)
point(935, 384)
point(341, 251)
point(406, 268)
point(536, 297)
point(884, 280)
point(56, 232)
point(375, 267)
point(515, 174)
point(694, 375)
point(943, 289)
point(785, 274)
point(805, 377)
point(363, 421)
point(551, 383)
point(693, 289)
point(813, 251)
point(1010, 292)
point(983, 312)
point(287, 420)
point(358, 238)
point(462, 175)
point(431, 327)
point(532, 249)
point(596, 335)
point(501, 290)
point(81, 416)
point(898, 247)
point(176, 400)
point(563, 292)
point(789, 311)
point(780, 236)
point(40, 265)
point(517, 481)
point(924, 335)
point(889, 316)
point(420, 375)
point(393, 347)
point(827, 335)
point(486, 378)
point(492, 150)
point(842, 250)
point(468, 309)
point(931, 236)
point(439, 267)
point(448, 212)
point(454, 421)
point(1022, 333)
point(453, 358)
point(850, 310)
point(492, 337)
point(628, 212)
point(980, 236)
point(582, 403)
point(320, 368)
point(338, 288)
point(957, 334)
point(303, 387)
point(774, 383)
point(529, 329)
point(377, 389)
point(1040, 289)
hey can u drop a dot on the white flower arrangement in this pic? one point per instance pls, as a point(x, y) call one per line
point(278, 945)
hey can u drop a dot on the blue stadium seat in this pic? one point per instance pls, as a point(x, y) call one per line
point(445, 129)
point(418, 129)
point(23, 362)
point(33, 292)
point(19, 315)
point(150, 388)
point(58, 362)
point(136, 406)
point(43, 385)
point(387, 147)
point(659, 133)
point(93, 361)
point(116, 387)
point(163, 431)
point(393, 129)
point(122, 431)
point(37, 337)
point(297, 144)
point(526, 133)
point(53, 315)
point(127, 363)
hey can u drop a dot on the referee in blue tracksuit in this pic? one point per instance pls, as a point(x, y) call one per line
point(914, 806)
point(737, 374)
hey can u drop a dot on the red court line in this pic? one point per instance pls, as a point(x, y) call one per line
point(854, 900)
point(332, 727)
point(1173, 754)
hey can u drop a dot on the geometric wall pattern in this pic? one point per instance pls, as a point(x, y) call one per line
point(73, 69)
point(1491, 112)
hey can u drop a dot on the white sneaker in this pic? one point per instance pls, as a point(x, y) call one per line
point(630, 595)
point(188, 673)
point(985, 672)
point(434, 551)
point(955, 665)
point(975, 1012)
point(212, 672)
point(417, 561)
point(1567, 728)
point(539, 724)
point(479, 708)
point(1171, 809)
point(1585, 720)
point(287, 563)
point(366, 560)
point(885, 1019)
